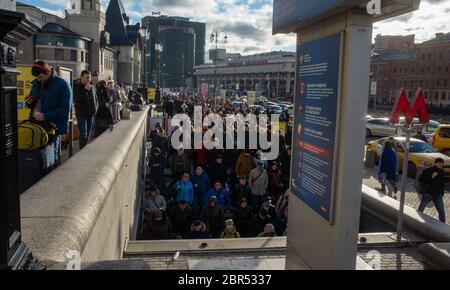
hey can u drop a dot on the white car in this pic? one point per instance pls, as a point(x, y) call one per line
point(380, 127)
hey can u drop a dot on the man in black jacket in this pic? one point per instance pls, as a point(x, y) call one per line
point(433, 180)
point(86, 106)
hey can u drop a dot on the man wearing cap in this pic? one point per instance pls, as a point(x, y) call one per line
point(258, 181)
point(244, 219)
point(433, 181)
point(213, 216)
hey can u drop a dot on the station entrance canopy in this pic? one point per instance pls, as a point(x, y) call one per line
point(293, 15)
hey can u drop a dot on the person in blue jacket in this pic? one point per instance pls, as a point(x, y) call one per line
point(223, 196)
point(388, 167)
point(201, 184)
point(50, 99)
point(185, 190)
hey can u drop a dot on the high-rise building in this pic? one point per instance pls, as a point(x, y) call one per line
point(183, 49)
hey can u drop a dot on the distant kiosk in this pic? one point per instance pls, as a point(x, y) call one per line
point(331, 98)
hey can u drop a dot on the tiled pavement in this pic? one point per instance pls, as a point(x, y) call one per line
point(370, 179)
point(391, 258)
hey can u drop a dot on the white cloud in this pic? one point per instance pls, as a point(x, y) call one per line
point(432, 17)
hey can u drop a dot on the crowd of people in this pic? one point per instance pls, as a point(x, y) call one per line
point(214, 193)
point(100, 106)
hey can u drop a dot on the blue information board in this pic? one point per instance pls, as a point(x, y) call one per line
point(287, 14)
point(316, 108)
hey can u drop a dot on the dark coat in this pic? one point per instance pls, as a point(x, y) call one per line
point(158, 230)
point(244, 221)
point(104, 115)
point(156, 164)
point(213, 217)
point(434, 186)
point(216, 172)
point(86, 103)
point(181, 220)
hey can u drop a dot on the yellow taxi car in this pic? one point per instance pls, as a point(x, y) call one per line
point(422, 155)
point(441, 139)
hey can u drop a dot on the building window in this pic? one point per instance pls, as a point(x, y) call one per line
point(446, 69)
point(439, 69)
point(436, 95)
point(428, 69)
point(395, 70)
point(73, 55)
point(421, 83)
point(426, 95)
point(443, 96)
point(422, 70)
point(59, 54)
point(42, 53)
point(423, 56)
point(429, 56)
point(86, 57)
point(82, 56)
point(401, 70)
point(441, 54)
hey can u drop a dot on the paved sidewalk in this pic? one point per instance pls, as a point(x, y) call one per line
point(370, 179)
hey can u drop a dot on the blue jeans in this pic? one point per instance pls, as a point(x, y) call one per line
point(438, 203)
point(85, 127)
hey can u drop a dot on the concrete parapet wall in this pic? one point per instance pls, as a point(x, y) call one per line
point(91, 203)
point(387, 209)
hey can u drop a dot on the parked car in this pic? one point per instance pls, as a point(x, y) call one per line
point(369, 117)
point(380, 127)
point(421, 154)
point(256, 108)
point(441, 139)
point(274, 108)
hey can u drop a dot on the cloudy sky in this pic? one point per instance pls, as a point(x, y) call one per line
point(248, 23)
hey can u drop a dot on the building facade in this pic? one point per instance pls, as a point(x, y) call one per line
point(270, 74)
point(398, 62)
point(183, 49)
point(85, 39)
point(126, 39)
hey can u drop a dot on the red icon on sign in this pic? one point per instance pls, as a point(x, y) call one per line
point(417, 108)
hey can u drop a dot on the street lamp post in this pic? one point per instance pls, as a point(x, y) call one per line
point(145, 34)
point(214, 38)
point(158, 48)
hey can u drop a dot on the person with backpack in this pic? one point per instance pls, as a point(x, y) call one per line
point(432, 181)
point(50, 99)
point(86, 106)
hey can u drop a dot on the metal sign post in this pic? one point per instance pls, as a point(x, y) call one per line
point(403, 184)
